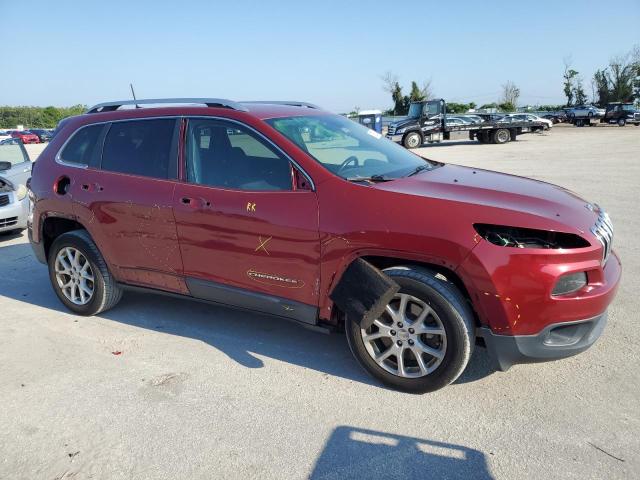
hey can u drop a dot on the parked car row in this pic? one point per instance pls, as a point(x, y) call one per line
point(470, 119)
point(526, 117)
point(35, 135)
point(581, 111)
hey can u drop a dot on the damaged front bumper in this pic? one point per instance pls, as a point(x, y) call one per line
point(556, 341)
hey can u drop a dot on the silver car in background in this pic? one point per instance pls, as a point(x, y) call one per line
point(15, 170)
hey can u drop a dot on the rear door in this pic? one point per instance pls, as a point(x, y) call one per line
point(126, 200)
point(247, 222)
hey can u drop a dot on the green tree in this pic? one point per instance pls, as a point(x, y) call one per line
point(569, 77)
point(581, 97)
point(601, 83)
point(454, 107)
point(507, 107)
point(36, 117)
point(416, 93)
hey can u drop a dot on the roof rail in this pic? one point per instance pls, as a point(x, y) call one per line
point(209, 102)
point(280, 102)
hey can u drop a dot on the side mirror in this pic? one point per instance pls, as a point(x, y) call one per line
point(5, 166)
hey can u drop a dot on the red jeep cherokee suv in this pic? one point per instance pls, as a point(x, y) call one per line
point(270, 206)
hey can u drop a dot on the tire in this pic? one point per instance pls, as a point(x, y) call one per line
point(105, 291)
point(501, 135)
point(451, 315)
point(622, 122)
point(412, 140)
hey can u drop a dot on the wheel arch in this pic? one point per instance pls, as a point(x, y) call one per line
point(53, 226)
point(382, 261)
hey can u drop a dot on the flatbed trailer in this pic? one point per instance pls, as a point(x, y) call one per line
point(427, 123)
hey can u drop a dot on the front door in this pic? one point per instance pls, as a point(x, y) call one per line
point(248, 235)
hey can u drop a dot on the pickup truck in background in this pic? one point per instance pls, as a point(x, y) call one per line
point(621, 113)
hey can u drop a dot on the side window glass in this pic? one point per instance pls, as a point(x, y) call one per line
point(82, 146)
point(13, 153)
point(140, 147)
point(226, 155)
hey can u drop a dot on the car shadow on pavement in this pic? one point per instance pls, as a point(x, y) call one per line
point(358, 453)
point(242, 335)
point(9, 235)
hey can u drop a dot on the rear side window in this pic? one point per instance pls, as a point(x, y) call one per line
point(141, 147)
point(82, 146)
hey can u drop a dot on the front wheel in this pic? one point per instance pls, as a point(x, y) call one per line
point(621, 122)
point(79, 274)
point(412, 140)
point(423, 340)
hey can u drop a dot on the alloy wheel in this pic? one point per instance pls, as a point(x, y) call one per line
point(408, 339)
point(74, 276)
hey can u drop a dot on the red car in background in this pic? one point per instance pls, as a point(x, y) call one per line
point(26, 136)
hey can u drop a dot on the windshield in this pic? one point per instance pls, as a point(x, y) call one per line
point(628, 108)
point(347, 148)
point(415, 110)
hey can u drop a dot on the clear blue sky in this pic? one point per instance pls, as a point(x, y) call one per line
point(328, 52)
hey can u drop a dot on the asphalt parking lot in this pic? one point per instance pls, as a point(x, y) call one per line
point(165, 388)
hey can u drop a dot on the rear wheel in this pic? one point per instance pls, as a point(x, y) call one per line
point(501, 135)
point(412, 140)
point(423, 340)
point(79, 274)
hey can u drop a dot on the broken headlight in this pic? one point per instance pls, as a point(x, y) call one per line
point(517, 237)
point(569, 283)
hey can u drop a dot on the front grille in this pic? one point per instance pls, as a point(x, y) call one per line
point(392, 130)
point(603, 229)
point(7, 222)
point(4, 200)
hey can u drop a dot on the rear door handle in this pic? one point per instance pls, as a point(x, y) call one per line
point(91, 187)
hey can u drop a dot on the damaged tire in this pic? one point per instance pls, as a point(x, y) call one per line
point(79, 275)
point(424, 339)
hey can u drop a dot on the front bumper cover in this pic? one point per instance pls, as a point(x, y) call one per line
point(18, 209)
point(556, 341)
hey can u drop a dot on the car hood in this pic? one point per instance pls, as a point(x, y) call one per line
point(494, 197)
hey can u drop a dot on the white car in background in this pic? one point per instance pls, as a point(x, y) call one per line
point(530, 117)
point(4, 135)
point(15, 170)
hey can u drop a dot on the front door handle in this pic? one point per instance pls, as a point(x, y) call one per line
point(196, 203)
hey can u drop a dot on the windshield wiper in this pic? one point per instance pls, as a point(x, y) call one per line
point(372, 178)
point(418, 169)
